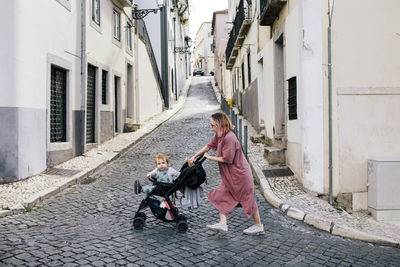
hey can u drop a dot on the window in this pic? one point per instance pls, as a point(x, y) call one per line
point(117, 25)
point(129, 36)
point(58, 105)
point(249, 67)
point(91, 104)
point(104, 79)
point(96, 11)
point(292, 98)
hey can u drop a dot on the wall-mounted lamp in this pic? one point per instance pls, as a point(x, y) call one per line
point(141, 13)
point(186, 48)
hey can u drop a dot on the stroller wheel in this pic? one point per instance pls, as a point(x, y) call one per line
point(181, 217)
point(138, 223)
point(141, 214)
point(182, 226)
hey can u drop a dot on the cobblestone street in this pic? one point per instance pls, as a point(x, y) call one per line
point(90, 224)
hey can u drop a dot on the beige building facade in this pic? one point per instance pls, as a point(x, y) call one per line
point(203, 56)
point(220, 39)
point(288, 43)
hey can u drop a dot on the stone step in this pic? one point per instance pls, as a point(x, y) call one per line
point(280, 141)
point(130, 126)
point(275, 155)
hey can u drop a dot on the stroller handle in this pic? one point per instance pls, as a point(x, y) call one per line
point(152, 179)
point(200, 159)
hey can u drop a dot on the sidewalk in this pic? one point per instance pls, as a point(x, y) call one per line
point(286, 194)
point(283, 193)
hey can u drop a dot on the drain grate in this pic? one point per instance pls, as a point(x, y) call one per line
point(61, 172)
point(272, 173)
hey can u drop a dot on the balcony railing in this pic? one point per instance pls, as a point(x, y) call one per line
point(146, 39)
point(270, 10)
point(241, 26)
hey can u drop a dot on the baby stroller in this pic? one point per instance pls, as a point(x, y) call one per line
point(191, 176)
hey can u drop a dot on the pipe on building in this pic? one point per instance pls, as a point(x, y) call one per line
point(164, 54)
point(83, 78)
point(330, 101)
point(175, 85)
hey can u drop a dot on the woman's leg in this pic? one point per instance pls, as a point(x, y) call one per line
point(257, 220)
point(223, 220)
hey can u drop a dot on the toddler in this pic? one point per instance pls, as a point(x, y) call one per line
point(163, 173)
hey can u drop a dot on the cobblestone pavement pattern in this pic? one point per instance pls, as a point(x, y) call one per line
point(91, 223)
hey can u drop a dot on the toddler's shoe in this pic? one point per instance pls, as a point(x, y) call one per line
point(218, 227)
point(138, 187)
point(254, 230)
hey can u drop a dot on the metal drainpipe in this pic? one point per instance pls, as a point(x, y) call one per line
point(330, 104)
point(83, 76)
point(176, 87)
point(164, 54)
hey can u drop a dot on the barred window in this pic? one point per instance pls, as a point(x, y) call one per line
point(91, 104)
point(58, 105)
point(292, 98)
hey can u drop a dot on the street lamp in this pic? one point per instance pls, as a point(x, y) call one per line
point(141, 13)
point(186, 48)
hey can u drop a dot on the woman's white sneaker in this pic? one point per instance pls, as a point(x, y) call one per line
point(218, 227)
point(254, 230)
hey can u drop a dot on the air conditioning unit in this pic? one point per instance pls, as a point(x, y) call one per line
point(383, 188)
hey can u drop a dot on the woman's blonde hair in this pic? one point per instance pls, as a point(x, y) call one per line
point(224, 122)
point(162, 157)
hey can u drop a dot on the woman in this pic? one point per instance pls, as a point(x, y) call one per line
point(237, 186)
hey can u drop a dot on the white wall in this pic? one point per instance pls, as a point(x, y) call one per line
point(311, 95)
point(366, 84)
point(150, 99)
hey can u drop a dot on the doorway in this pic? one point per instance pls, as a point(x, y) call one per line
point(117, 104)
point(130, 103)
point(280, 114)
point(91, 104)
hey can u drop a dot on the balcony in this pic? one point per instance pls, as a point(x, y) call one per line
point(270, 10)
point(124, 3)
point(241, 26)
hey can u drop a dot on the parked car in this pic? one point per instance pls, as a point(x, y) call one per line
point(212, 72)
point(198, 72)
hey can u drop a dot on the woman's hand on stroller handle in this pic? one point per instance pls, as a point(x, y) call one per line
point(194, 160)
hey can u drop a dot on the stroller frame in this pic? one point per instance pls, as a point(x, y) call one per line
point(165, 190)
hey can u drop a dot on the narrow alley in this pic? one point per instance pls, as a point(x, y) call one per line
point(90, 224)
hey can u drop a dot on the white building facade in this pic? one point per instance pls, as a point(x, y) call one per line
point(73, 76)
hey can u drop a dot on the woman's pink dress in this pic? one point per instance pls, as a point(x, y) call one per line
point(237, 185)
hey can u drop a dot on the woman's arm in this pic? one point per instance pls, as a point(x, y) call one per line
point(217, 159)
point(202, 151)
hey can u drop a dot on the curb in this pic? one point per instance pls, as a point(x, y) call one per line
point(31, 202)
point(314, 220)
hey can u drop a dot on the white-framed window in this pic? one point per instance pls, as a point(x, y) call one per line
point(116, 25)
point(129, 36)
point(96, 11)
point(58, 104)
point(59, 116)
